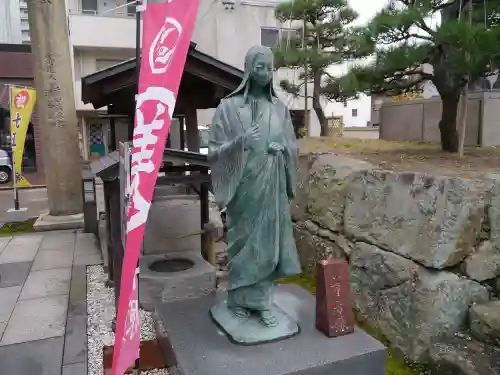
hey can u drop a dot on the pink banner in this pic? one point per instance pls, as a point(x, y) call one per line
point(167, 30)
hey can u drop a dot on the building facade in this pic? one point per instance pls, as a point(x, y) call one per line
point(102, 33)
point(224, 30)
point(14, 27)
point(16, 68)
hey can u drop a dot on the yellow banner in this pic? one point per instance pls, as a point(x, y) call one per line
point(22, 103)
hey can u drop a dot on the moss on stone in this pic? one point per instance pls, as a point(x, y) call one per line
point(22, 227)
point(396, 365)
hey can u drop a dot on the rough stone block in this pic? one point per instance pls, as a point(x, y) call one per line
point(201, 349)
point(156, 287)
point(328, 179)
point(464, 356)
point(400, 298)
point(485, 322)
point(432, 220)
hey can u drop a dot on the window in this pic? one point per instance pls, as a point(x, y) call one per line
point(271, 36)
point(354, 112)
point(131, 9)
point(345, 104)
point(89, 6)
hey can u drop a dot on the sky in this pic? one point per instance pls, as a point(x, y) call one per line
point(367, 8)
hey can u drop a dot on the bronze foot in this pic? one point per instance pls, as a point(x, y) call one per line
point(267, 318)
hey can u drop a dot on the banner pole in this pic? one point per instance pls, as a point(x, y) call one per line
point(139, 8)
point(12, 149)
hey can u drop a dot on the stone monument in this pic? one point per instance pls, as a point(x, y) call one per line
point(334, 316)
point(253, 155)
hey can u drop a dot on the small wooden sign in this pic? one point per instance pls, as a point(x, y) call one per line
point(334, 316)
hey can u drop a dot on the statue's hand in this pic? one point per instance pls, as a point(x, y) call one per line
point(253, 134)
point(274, 148)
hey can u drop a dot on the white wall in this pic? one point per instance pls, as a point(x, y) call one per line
point(87, 61)
point(227, 34)
point(362, 105)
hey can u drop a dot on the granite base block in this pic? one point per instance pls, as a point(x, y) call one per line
point(196, 346)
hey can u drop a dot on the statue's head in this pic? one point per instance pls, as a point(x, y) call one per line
point(259, 64)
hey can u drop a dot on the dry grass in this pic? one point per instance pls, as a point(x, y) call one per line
point(407, 156)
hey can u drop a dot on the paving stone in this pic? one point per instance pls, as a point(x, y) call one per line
point(87, 251)
point(8, 299)
point(18, 253)
point(75, 369)
point(47, 283)
point(14, 274)
point(50, 259)
point(36, 319)
point(41, 357)
point(3, 243)
point(29, 240)
point(59, 241)
point(75, 347)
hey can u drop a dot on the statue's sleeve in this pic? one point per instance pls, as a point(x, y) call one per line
point(291, 156)
point(226, 155)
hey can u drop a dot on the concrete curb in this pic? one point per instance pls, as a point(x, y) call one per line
point(32, 187)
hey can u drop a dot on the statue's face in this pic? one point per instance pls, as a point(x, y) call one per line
point(263, 69)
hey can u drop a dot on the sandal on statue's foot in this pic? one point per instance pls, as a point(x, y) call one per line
point(268, 319)
point(239, 312)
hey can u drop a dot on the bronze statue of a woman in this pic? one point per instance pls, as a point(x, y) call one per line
point(253, 154)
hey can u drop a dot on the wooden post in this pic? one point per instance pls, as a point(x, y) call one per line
point(465, 98)
point(209, 229)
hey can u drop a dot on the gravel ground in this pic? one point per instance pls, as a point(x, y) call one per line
point(100, 312)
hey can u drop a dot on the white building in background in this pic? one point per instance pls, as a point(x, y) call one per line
point(102, 33)
point(227, 32)
point(14, 27)
point(356, 112)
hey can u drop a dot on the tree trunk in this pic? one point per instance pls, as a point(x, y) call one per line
point(448, 123)
point(317, 104)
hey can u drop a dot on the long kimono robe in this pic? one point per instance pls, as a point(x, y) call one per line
point(255, 187)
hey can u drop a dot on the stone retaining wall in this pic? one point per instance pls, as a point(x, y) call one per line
point(423, 252)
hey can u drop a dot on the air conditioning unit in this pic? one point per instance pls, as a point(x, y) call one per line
point(228, 4)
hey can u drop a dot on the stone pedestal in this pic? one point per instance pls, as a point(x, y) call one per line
point(195, 345)
point(48, 222)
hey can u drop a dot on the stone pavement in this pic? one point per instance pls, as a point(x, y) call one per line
point(43, 308)
point(35, 200)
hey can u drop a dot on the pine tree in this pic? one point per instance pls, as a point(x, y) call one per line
point(324, 38)
point(409, 50)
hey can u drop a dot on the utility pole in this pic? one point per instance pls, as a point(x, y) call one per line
point(56, 105)
point(465, 96)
